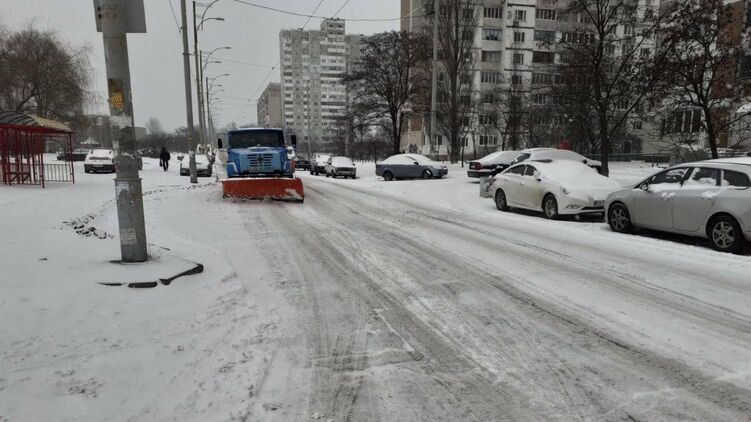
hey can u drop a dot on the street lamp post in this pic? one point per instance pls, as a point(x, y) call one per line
point(197, 56)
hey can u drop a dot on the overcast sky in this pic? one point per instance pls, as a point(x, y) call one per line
point(155, 57)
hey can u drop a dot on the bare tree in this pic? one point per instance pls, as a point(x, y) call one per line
point(610, 65)
point(702, 66)
point(154, 126)
point(457, 101)
point(391, 73)
point(41, 75)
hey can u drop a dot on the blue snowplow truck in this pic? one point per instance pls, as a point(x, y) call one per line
point(259, 167)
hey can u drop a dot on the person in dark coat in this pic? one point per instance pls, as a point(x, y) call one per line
point(164, 158)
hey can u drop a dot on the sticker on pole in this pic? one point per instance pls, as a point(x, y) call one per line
point(117, 96)
point(128, 237)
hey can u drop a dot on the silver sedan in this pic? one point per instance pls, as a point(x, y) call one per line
point(709, 199)
point(410, 166)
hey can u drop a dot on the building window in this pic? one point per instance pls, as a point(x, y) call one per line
point(645, 53)
point(546, 14)
point(491, 56)
point(520, 16)
point(487, 98)
point(516, 79)
point(545, 36)
point(578, 37)
point(488, 140)
point(628, 30)
point(540, 99)
point(545, 79)
point(518, 58)
point(487, 119)
point(518, 36)
point(493, 13)
point(543, 57)
point(490, 77)
point(491, 34)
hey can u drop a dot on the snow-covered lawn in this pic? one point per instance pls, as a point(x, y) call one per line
point(373, 300)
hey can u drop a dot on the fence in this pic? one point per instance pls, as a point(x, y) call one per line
point(58, 173)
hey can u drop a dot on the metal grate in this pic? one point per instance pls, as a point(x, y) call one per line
point(261, 162)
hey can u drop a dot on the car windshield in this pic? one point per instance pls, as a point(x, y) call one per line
point(256, 138)
point(342, 162)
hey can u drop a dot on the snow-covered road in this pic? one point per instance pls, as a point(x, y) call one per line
point(411, 300)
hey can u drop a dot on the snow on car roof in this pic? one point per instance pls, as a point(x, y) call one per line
point(500, 154)
point(346, 161)
point(573, 173)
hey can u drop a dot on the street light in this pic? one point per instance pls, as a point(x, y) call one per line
point(199, 68)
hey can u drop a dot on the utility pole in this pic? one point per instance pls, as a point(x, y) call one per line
point(209, 125)
point(434, 95)
point(188, 93)
point(112, 18)
point(199, 65)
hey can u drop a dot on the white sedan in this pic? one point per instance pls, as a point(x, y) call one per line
point(554, 187)
point(203, 166)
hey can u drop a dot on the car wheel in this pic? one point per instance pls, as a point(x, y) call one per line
point(550, 207)
point(500, 200)
point(725, 234)
point(427, 174)
point(388, 176)
point(619, 219)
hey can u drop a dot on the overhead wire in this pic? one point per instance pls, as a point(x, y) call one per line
point(314, 16)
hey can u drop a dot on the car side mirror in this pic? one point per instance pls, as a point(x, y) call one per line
point(294, 140)
point(539, 179)
point(644, 186)
point(416, 163)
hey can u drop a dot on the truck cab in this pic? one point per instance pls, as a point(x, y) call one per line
point(258, 152)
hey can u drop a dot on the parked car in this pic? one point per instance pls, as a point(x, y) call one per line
point(538, 154)
point(491, 164)
point(556, 188)
point(180, 156)
point(203, 166)
point(99, 161)
point(709, 199)
point(410, 166)
point(341, 167)
point(78, 154)
point(318, 164)
point(302, 163)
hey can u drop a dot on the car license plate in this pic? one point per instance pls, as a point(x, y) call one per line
point(599, 204)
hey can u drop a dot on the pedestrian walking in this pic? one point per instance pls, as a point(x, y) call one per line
point(164, 158)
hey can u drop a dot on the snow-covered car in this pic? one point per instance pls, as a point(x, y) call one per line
point(491, 164)
point(203, 166)
point(99, 161)
point(537, 154)
point(318, 164)
point(556, 188)
point(302, 163)
point(709, 199)
point(78, 154)
point(341, 167)
point(410, 166)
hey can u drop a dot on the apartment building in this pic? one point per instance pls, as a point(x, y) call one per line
point(313, 66)
point(517, 49)
point(269, 106)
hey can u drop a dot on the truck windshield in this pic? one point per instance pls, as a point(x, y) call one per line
point(256, 138)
